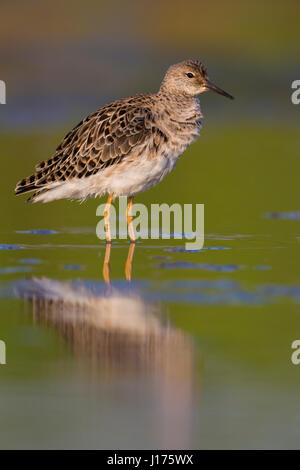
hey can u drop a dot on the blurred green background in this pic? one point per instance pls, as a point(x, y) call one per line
point(237, 300)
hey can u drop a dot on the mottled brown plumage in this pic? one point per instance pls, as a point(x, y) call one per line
point(100, 140)
point(121, 136)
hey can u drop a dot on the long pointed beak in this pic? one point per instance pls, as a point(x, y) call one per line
point(210, 86)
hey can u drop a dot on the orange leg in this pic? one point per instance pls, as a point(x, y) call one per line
point(128, 265)
point(106, 218)
point(129, 219)
point(106, 264)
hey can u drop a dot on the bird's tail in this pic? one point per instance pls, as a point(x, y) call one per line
point(26, 185)
point(33, 182)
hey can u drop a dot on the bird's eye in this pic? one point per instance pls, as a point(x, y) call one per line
point(190, 75)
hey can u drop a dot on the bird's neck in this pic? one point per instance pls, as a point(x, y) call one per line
point(179, 104)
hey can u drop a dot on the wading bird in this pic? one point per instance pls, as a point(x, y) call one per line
point(126, 146)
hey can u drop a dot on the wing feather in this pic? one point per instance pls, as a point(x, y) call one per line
point(104, 138)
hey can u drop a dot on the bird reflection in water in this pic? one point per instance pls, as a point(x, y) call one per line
point(119, 334)
point(128, 264)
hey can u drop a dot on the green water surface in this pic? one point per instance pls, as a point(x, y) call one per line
point(196, 350)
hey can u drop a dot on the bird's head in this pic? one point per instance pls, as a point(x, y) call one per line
point(189, 78)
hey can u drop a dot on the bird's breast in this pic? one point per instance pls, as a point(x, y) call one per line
point(181, 135)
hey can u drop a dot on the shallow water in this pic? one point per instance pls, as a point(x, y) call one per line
point(195, 351)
